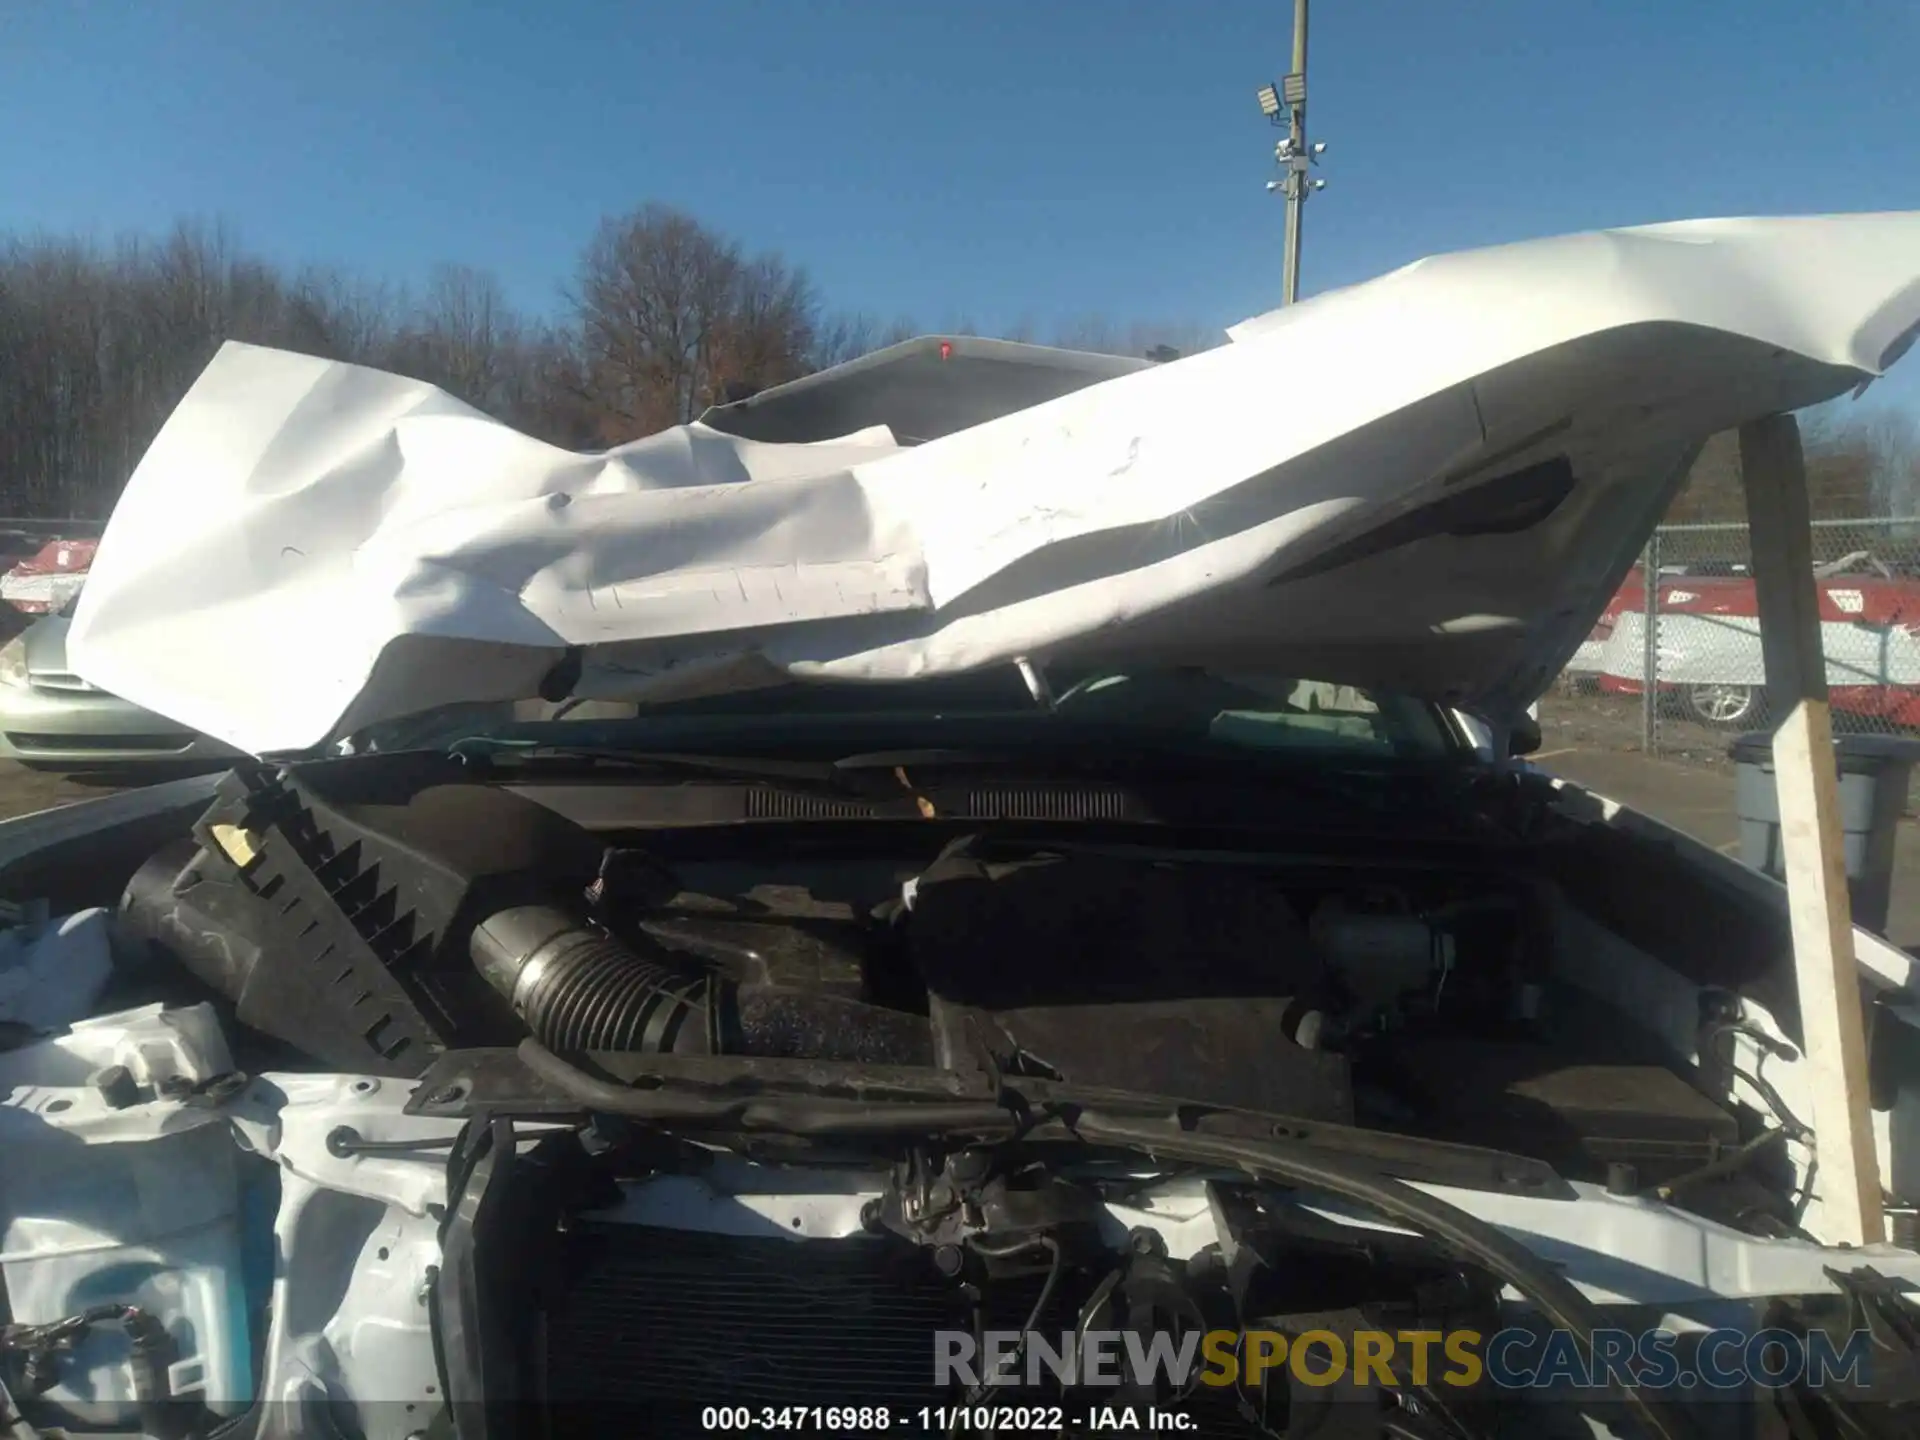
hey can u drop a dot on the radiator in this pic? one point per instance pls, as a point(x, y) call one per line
point(648, 1326)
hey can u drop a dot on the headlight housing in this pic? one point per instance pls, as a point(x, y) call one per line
point(13, 662)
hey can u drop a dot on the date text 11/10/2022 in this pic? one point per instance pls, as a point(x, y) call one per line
point(943, 1419)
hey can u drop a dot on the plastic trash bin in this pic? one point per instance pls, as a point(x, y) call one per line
point(1873, 791)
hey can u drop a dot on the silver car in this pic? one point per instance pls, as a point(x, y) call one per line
point(51, 719)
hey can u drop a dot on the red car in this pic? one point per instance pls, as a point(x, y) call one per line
point(1709, 656)
point(42, 583)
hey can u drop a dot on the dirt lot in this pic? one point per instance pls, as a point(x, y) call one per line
point(23, 791)
point(1595, 741)
point(1616, 723)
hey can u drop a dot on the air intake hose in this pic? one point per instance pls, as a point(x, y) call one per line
point(578, 989)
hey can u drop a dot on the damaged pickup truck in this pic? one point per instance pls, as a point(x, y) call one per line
point(982, 839)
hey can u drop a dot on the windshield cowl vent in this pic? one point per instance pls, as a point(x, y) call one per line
point(995, 802)
point(765, 804)
point(1050, 802)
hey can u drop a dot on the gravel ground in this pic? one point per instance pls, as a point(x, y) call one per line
point(1575, 722)
point(1598, 721)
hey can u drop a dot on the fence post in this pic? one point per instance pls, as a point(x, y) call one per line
point(1650, 644)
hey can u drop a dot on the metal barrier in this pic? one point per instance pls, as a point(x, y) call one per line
point(1697, 633)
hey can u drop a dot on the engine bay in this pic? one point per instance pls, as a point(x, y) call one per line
point(1411, 999)
point(635, 1100)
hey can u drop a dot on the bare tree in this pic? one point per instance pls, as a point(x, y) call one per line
point(655, 290)
point(97, 347)
point(463, 337)
point(1090, 332)
point(546, 393)
point(1860, 463)
point(769, 332)
point(843, 338)
point(1867, 458)
point(339, 318)
point(98, 344)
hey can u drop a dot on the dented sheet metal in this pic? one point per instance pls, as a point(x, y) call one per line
point(1431, 483)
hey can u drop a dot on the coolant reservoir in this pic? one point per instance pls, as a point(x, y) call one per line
point(115, 1189)
point(1379, 950)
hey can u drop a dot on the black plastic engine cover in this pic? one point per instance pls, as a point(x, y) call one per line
point(1164, 978)
point(1541, 1100)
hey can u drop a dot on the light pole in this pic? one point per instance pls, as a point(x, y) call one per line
point(1286, 105)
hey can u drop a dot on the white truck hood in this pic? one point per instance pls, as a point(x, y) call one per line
point(1431, 483)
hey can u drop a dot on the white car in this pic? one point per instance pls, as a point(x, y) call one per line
point(1057, 881)
point(51, 719)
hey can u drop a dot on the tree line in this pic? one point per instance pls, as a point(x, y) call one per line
point(1862, 463)
point(662, 317)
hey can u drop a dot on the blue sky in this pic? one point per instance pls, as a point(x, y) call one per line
point(993, 160)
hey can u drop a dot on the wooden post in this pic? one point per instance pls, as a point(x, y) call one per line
point(1650, 646)
point(1812, 845)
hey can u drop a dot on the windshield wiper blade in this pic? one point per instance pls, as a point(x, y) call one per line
point(1085, 758)
point(936, 757)
point(791, 774)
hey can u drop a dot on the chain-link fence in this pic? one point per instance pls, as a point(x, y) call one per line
point(1696, 631)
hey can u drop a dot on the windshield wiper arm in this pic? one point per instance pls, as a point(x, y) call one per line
point(730, 1106)
point(813, 1097)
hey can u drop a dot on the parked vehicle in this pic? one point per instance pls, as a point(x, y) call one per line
point(51, 719)
point(47, 579)
point(1709, 660)
point(1070, 873)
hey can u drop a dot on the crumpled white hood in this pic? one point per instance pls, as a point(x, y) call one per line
point(1360, 488)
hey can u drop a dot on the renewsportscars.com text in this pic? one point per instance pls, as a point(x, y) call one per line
point(1511, 1359)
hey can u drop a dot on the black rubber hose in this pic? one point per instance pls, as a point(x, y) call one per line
point(1054, 1271)
point(150, 1350)
point(580, 989)
point(786, 1114)
point(1731, 1163)
point(1506, 1258)
point(1788, 1121)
